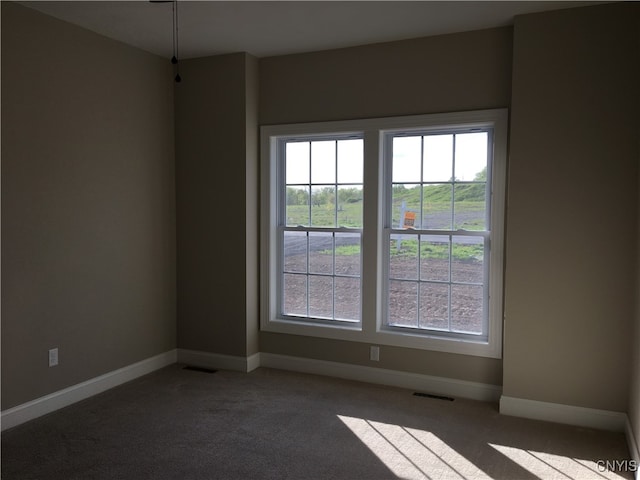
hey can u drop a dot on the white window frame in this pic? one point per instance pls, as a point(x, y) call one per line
point(371, 328)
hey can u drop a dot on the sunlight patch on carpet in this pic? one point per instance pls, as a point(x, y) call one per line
point(550, 466)
point(412, 454)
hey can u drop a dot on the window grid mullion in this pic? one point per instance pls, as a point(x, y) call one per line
point(322, 229)
point(453, 183)
point(310, 189)
point(461, 233)
point(333, 271)
point(450, 290)
point(307, 277)
point(308, 284)
point(335, 190)
point(421, 181)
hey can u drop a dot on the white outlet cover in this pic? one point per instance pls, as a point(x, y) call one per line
point(374, 353)
point(53, 357)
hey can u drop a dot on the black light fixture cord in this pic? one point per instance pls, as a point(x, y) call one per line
point(174, 59)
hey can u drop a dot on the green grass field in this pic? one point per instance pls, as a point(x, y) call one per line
point(436, 202)
point(469, 213)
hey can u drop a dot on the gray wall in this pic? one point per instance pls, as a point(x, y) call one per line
point(572, 225)
point(464, 71)
point(216, 173)
point(634, 381)
point(446, 73)
point(252, 194)
point(88, 215)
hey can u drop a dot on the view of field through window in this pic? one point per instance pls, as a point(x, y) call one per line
point(438, 196)
point(322, 262)
point(438, 219)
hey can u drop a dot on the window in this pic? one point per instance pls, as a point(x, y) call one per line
point(320, 228)
point(386, 231)
point(437, 230)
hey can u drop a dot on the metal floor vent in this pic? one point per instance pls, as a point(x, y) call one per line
point(430, 395)
point(199, 369)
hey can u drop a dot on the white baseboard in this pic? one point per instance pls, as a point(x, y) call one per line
point(553, 412)
point(253, 362)
point(63, 398)
point(218, 361)
point(413, 381)
point(634, 451)
point(559, 413)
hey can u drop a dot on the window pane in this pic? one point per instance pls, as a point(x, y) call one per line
point(407, 154)
point(405, 198)
point(403, 257)
point(297, 168)
point(434, 257)
point(295, 252)
point(347, 294)
point(347, 254)
point(467, 259)
point(438, 158)
point(294, 294)
point(320, 296)
point(403, 303)
point(470, 209)
point(350, 161)
point(323, 162)
point(323, 208)
point(466, 308)
point(434, 306)
point(471, 156)
point(320, 252)
point(297, 206)
point(437, 206)
point(350, 206)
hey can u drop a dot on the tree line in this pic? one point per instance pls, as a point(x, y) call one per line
point(323, 196)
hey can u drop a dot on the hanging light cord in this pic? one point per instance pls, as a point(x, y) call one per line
point(174, 59)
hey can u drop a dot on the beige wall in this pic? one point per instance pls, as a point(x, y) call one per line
point(446, 73)
point(448, 365)
point(634, 382)
point(572, 208)
point(88, 216)
point(464, 71)
point(215, 161)
point(252, 176)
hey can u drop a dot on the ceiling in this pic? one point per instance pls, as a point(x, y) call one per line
point(268, 28)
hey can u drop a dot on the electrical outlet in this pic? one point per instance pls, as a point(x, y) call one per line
point(53, 357)
point(374, 353)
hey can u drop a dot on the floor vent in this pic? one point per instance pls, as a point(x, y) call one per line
point(199, 369)
point(430, 395)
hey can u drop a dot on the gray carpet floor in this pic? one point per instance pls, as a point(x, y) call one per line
point(271, 424)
